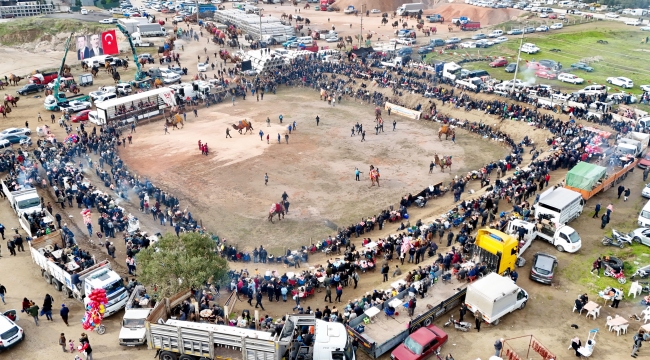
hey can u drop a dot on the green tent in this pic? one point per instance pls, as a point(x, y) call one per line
point(585, 176)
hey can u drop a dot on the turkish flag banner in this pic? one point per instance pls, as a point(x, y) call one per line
point(109, 42)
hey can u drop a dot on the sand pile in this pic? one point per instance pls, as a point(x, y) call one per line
point(383, 5)
point(486, 16)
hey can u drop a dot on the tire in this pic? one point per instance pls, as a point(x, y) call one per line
point(621, 245)
point(559, 248)
point(166, 355)
point(637, 239)
point(101, 330)
point(496, 322)
point(57, 285)
point(428, 321)
point(186, 357)
point(622, 280)
point(48, 278)
point(523, 305)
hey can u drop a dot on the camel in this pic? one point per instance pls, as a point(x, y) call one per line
point(395, 24)
point(306, 6)
point(377, 112)
point(447, 130)
point(84, 66)
point(284, 16)
point(405, 25)
point(445, 162)
point(243, 125)
point(158, 83)
point(348, 39)
point(340, 45)
point(174, 121)
point(5, 110)
point(384, 21)
point(94, 71)
point(116, 76)
point(13, 100)
point(277, 208)
point(13, 79)
point(374, 175)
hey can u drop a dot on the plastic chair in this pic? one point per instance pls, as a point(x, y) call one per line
point(609, 318)
point(624, 328)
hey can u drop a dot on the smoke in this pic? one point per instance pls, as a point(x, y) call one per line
point(528, 76)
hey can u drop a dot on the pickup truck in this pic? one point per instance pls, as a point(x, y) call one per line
point(421, 344)
point(74, 106)
point(138, 308)
point(54, 103)
point(435, 18)
point(43, 78)
point(349, 10)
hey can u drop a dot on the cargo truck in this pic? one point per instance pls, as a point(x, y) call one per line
point(494, 296)
point(634, 143)
point(137, 40)
point(559, 205)
point(471, 26)
point(134, 331)
point(67, 276)
point(176, 339)
point(384, 333)
point(23, 201)
point(589, 179)
point(563, 237)
point(410, 9)
point(151, 30)
point(435, 18)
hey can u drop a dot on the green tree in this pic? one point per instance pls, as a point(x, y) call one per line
point(175, 264)
point(77, 3)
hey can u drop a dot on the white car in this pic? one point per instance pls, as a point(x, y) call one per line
point(646, 191)
point(529, 48)
point(543, 15)
point(202, 67)
point(468, 45)
point(10, 332)
point(621, 81)
point(557, 26)
point(375, 11)
point(406, 41)
point(570, 78)
point(635, 22)
point(107, 21)
point(178, 18)
point(542, 28)
point(15, 131)
point(645, 88)
point(500, 39)
point(116, 11)
point(332, 39)
point(94, 95)
point(612, 15)
point(645, 28)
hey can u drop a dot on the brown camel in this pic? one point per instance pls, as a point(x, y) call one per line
point(243, 125)
point(13, 79)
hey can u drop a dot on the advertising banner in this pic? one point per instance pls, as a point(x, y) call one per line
point(400, 110)
point(96, 44)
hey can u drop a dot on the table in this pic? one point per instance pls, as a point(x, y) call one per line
point(646, 327)
point(617, 321)
point(397, 284)
point(371, 245)
point(397, 302)
point(606, 297)
point(590, 306)
point(57, 254)
point(372, 312)
point(72, 266)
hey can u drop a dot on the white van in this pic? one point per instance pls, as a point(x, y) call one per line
point(529, 48)
point(307, 40)
point(593, 90)
point(644, 216)
point(84, 12)
point(559, 205)
point(104, 97)
point(495, 33)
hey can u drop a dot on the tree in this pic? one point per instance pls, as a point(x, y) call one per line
point(175, 264)
point(77, 3)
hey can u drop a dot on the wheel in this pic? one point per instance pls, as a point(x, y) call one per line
point(606, 242)
point(57, 285)
point(523, 305)
point(48, 278)
point(101, 330)
point(428, 321)
point(559, 248)
point(496, 322)
point(637, 239)
point(620, 245)
point(166, 355)
point(622, 280)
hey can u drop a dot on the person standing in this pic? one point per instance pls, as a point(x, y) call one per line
point(165, 127)
point(621, 188)
point(62, 342)
point(463, 311)
point(47, 306)
point(384, 272)
point(363, 136)
point(266, 178)
point(645, 173)
point(597, 211)
point(258, 300)
point(228, 133)
point(339, 292)
point(261, 135)
point(596, 266)
point(626, 194)
point(328, 294)
point(604, 221)
point(3, 291)
point(618, 296)
point(317, 120)
point(268, 137)
point(394, 122)
point(498, 345)
point(85, 347)
point(64, 314)
point(356, 174)
point(610, 209)
point(2, 230)
point(514, 276)
point(638, 340)
point(478, 319)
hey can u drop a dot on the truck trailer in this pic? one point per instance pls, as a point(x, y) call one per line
point(64, 273)
point(408, 9)
point(494, 296)
point(151, 30)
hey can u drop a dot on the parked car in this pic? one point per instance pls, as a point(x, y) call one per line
point(484, 43)
point(543, 268)
point(30, 88)
point(406, 41)
point(529, 48)
point(634, 22)
point(645, 88)
point(645, 28)
point(557, 26)
point(10, 333)
point(202, 67)
point(18, 139)
point(545, 74)
point(646, 190)
point(478, 36)
point(500, 39)
point(612, 15)
point(552, 16)
point(641, 236)
point(80, 116)
point(570, 78)
point(425, 50)
point(582, 66)
point(621, 81)
point(499, 62)
point(542, 28)
point(375, 11)
point(510, 68)
point(543, 15)
point(534, 65)
point(453, 40)
point(468, 45)
point(515, 32)
point(529, 30)
point(108, 21)
point(15, 131)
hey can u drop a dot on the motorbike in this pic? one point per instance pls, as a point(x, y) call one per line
point(625, 238)
point(459, 325)
point(642, 272)
point(616, 275)
point(607, 241)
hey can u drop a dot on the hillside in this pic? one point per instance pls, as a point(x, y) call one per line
point(35, 32)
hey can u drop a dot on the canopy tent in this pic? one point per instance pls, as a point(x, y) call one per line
point(585, 175)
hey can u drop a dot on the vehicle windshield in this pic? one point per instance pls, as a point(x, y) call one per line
point(29, 203)
point(413, 346)
point(133, 323)
point(113, 287)
point(544, 265)
point(645, 214)
point(574, 237)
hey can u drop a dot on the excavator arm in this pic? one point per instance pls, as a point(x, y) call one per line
point(57, 82)
point(139, 75)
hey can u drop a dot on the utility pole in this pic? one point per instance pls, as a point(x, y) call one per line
point(521, 43)
point(363, 11)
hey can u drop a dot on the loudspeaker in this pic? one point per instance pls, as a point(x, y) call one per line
point(246, 65)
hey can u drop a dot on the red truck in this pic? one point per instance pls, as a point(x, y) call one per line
point(424, 342)
point(323, 5)
point(313, 47)
point(43, 79)
point(471, 26)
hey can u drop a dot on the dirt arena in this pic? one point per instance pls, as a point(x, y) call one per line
point(226, 189)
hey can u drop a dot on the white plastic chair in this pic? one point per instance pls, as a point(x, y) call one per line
point(592, 313)
point(609, 327)
point(617, 328)
point(624, 328)
point(575, 308)
point(597, 311)
point(646, 317)
point(634, 289)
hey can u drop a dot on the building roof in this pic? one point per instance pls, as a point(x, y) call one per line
point(560, 197)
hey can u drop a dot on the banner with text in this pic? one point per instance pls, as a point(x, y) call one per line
point(400, 110)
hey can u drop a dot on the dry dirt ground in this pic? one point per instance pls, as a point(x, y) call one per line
point(548, 314)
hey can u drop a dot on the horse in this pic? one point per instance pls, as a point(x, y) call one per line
point(277, 208)
point(174, 121)
point(374, 176)
point(13, 79)
point(447, 130)
point(243, 125)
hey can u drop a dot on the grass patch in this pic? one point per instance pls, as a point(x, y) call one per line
point(623, 55)
point(31, 29)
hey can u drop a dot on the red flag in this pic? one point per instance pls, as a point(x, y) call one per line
point(109, 42)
